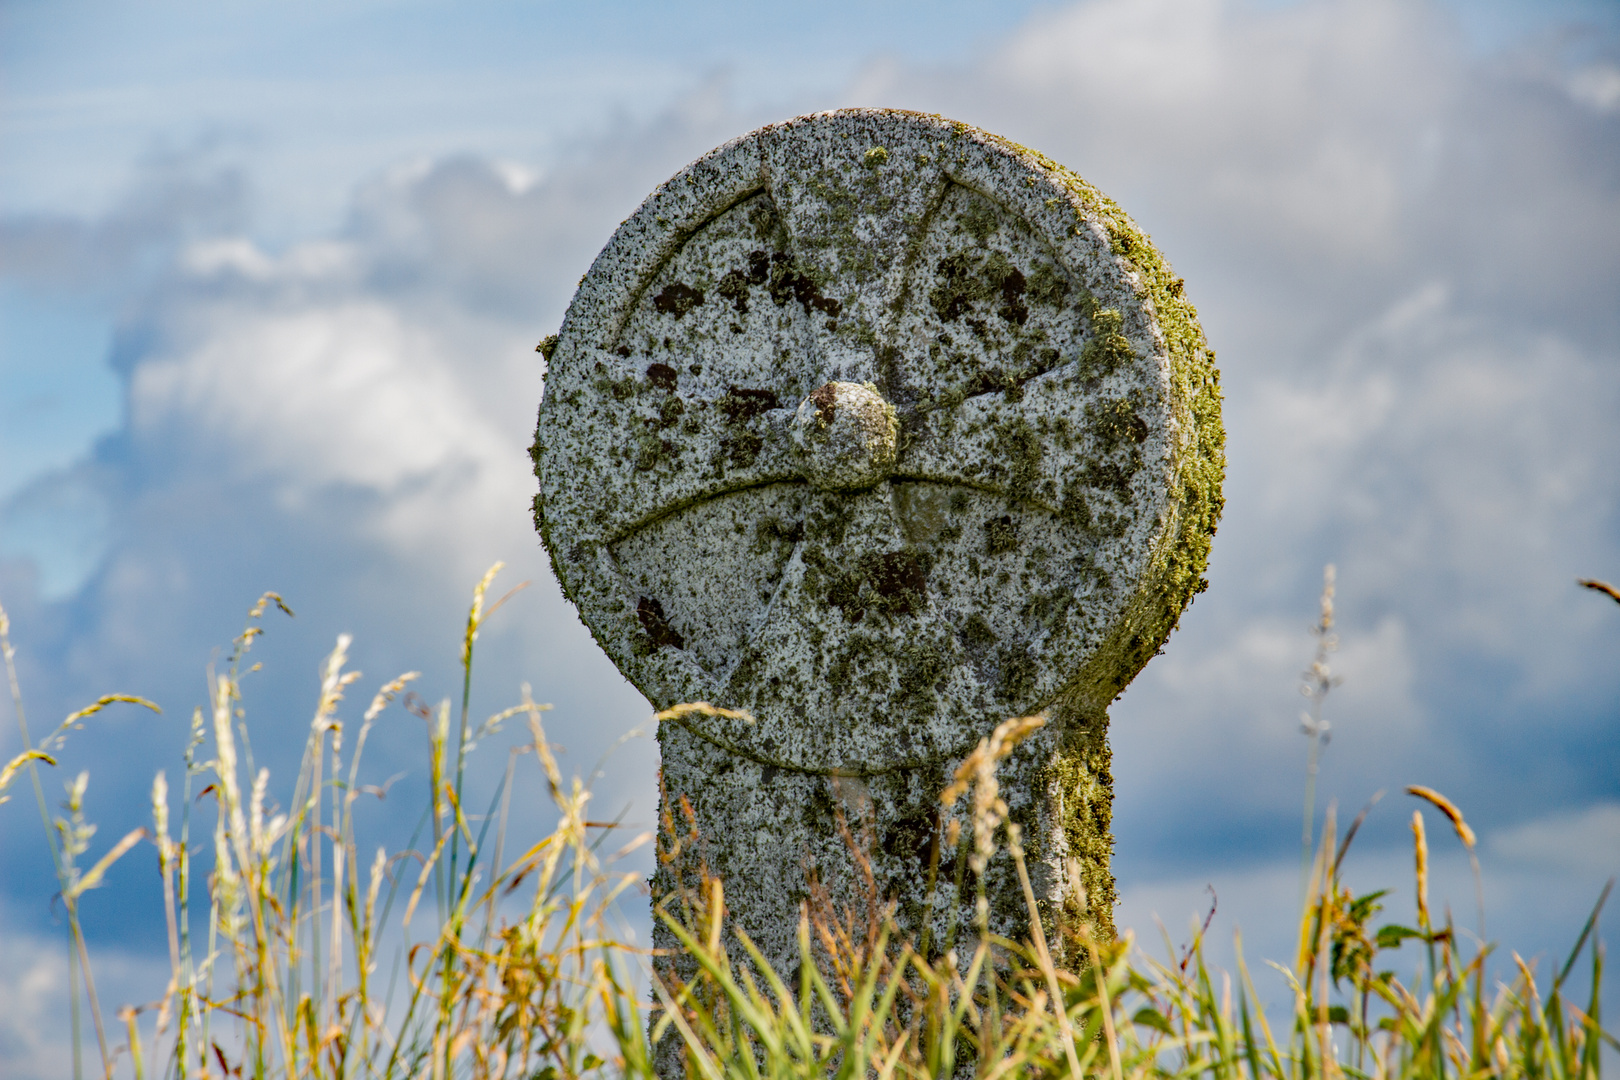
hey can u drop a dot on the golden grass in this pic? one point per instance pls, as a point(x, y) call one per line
point(310, 960)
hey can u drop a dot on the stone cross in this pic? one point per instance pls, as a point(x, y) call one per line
point(880, 429)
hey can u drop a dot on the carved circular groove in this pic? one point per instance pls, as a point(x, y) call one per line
point(847, 436)
point(881, 429)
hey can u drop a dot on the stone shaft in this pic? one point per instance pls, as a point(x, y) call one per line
point(767, 832)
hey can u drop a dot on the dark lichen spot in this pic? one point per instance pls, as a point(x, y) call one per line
point(661, 376)
point(956, 288)
point(742, 449)
point(1047, 285)
point(670, 411)
point(677, 299)
point(825, 398)
point(741, 404)
point(828, 523)
point(966, 279)
point(1116, 423)
point(1010, 384)
point(1074, 510)
point(734, 287)
point(624, 351)
point(820, 807)
point(759, 267)
point(618, 389)
point(891, 583)
point(1000, 535)
point(1018, 453)
point(898, 578)
point(1111, 524)
point(844, 593)
point(1114, 476)
point(1013, 308)
point(977, 637)
point(1018, 675)
point(979, 219)
point(763, 219)
point(922, 671)
point(788, 282)
point(650, 613)
point(1047, 609)
point(912, 840)
point(650, 451)
point(772, 531)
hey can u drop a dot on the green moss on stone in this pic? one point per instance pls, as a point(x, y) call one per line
point(1199, 462)
point(1079, 780)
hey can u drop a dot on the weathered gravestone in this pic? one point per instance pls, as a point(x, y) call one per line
point(881, 429)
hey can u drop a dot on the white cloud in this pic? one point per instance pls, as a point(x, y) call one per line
point(314, 261)
point(33, 1000)
point(1540, 882)
point(1597, 87)
point(1447, 451)
point(1587, 839)
point(1301, 126)
point(342, 392)
point(518, 177)
point(1234, 704)
point(1405, 256)
point(35, 1037)
point(1158, 53)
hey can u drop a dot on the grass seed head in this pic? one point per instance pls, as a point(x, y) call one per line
point(1448, 808)
point(1420, 855)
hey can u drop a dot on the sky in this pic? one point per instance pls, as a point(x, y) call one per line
point(271, 277)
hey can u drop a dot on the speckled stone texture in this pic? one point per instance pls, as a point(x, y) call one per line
point(881, 429)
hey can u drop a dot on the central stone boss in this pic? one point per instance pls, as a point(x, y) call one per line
point(880, 429)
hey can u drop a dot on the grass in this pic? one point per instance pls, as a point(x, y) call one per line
point(292, 954)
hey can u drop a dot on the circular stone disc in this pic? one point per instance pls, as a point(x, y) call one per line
point(1032, 531)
